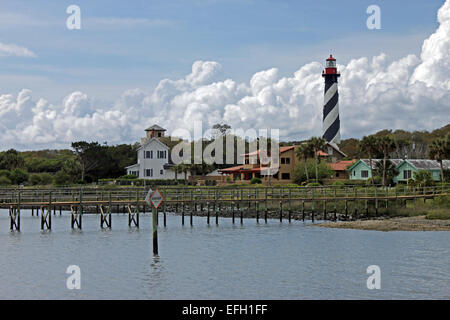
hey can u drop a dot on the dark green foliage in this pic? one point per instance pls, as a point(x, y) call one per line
point(128, 177)
point(61, 178)
point(18, 176)
point(423, 178)
point(255, 180)
point(11, 159)
point(323, 171)
point(4, 181)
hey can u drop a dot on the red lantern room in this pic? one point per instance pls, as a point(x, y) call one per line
point(330, 67)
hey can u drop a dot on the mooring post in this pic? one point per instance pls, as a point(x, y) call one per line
point(366, 204)
point(335, 204)
point(303, 209)
point(376, 202)
point(155, 231)
point(281, 211)
point(192, 199)
point(290, 206)
point(164, 208)
point(312, 204)
point(265, 209)
point(355, 201)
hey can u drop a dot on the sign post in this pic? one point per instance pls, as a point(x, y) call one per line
point(154, 199)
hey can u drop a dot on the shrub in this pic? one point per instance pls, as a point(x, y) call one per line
point(35, 179)
point(255, 180)
point(314, 184)
point(128, 177)
point(438, 215)
point(18, 176)
point(61, 178)
point(423, 178)
point(4, 181)
point(5, 173)
point(338, 183)
point(46, 178)
point(375, 179)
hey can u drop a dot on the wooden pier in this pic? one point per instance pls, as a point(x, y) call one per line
point(327, 203)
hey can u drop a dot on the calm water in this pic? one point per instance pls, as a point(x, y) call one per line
point(249, 261)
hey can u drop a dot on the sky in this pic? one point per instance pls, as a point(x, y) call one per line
point(249, 63)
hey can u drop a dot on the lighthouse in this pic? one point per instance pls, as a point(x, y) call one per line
point(331, 122)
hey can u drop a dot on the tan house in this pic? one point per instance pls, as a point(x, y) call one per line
point(288, 161)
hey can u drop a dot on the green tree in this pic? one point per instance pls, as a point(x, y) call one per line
point(386, 168)
point(438, 151)
point(72, 168)
point(304, 152)
point(11, 159)
point(18, 176)
point(90, 155)
point(369, 145)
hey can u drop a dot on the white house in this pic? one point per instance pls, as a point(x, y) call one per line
point(153, 157)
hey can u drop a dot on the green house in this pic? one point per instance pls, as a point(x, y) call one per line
point(407, 168)
point(360, 170)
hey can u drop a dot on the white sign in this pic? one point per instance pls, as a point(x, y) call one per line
point(147, 197)
point(156, 199)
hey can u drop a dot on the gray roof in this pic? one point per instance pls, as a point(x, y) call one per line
point(421, 164)
point(155, 127)
point(425, 164)
point(396, 162)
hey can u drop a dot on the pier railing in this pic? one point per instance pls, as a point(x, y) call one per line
point(253, 201)
point(173, 194)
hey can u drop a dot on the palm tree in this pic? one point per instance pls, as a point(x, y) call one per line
point(388, 167)
point(385, 145)
point(368, 145)
point(304, 152)
point(438, 151)
point(317, 144)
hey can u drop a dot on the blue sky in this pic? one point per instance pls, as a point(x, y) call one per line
point(128, 44)
point(251, 64)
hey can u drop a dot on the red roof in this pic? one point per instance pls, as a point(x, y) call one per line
point(282, 149)
point(322, 154)
point(341, 165)
point(232, 169)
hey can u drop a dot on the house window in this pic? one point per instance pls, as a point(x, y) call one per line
point(283, 160)
point(285, 176)
point(407, 174)
point(149, 172)
point(148, 154)
point(161, 171)
point(364, 174)
point(161, 154)
point(288, 160)
point(247, 161)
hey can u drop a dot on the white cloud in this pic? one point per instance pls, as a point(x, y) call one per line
point(376, 93)
point(15, 50)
